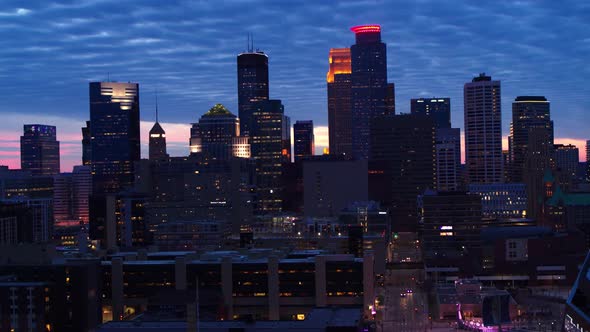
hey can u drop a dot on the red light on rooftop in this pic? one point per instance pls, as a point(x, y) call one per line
point(366, 28)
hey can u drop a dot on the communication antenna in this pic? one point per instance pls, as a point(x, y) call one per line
point(156, 105)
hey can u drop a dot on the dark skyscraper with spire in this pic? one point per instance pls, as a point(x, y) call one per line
point(252, 85)
point(369, 91)
point(157, 142)
point(39, 149)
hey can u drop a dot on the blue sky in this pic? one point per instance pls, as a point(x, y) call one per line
point(50, 50)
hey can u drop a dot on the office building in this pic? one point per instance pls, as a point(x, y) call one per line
point(566, 159)
point(39, 150)
point(86, 145)
point(304, 145)
point(339, 107)
point(217, 135)
point(451, 224)
point(252, 85)
point(330, 184)
point(195, 188)
point(71, 196)
point(588, 161)
point(483, 130)
point(501, 200)
point(402, 165)
point(268, 136)
point(114, 129)
point(157, 143)
point(368, 85)
point(448, 158)
point(528, 112)
point(438, 108)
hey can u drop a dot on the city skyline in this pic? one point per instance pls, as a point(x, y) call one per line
point(66, 49)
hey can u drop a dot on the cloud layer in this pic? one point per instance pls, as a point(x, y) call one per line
point(50, 50)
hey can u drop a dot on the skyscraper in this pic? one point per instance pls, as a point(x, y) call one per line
point(267, 138)
point(528, 112)
point(39, 150)
point(217, 135)
point(114, 128)
point(438, 108)
point(402, 165)
point(304, 140)
point(448, 158)
point(567, 158)
point(157, 142)
point(252, 85)
point(71, 196)
point(588, 161)
point(369, 91)
point(339, 108)
point(86, 145)
point(483, 130)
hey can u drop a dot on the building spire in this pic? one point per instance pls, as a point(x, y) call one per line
point(156, 105)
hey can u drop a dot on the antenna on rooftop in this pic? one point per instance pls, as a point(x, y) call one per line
point(156, 105)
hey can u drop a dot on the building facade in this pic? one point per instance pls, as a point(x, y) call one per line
point(39, 149)
point(483, 130)
point(368, 85)
point(339, 107)
point(304, 145)
point(252, 85)
point(438, 108)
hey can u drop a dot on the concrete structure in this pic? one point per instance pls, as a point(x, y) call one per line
point(448, 158)
point(436, 107)
point(566, 159)
point(71, 196)
point(483, 130)
point(304, 144)
point(331, 184)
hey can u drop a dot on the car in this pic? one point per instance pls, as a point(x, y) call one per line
point(409, 291)
point(402, 295)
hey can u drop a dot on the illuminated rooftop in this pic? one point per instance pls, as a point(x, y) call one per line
point(339, 63)
point(366, 28)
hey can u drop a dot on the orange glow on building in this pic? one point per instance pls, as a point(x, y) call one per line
point(339, 63)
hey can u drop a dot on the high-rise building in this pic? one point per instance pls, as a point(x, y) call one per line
point(267, 139)
point(527, 112)
point(114, 128)
point(448, 158)
point(252, 85)
point(438, 108)
point(86, 145)
point(39, 150)
point(402, 165)
point(217, 135)
point(304, 144)
point(537, 162)
point(483, 130)
point(501, 200)
point(369, 89)
point(339, 107)
point(566, 159)
point(588, 161)
point(157, 141)
point(71, 196)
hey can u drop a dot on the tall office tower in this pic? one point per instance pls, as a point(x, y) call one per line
point(71, 195)
point(157, 142)
point(252, 85)
point(448, 158)
point(527, 112)
point(483, 130)
point(114, 128)
point(368, 85)
point(390, 99)
point(82, 186)
point(217, 135)
point(86, 145)
point(39, 150)
point(286, 141)
point(537, 162)
point(267, 139)
point(567, 158)
point(339, 108)
point(402, 165)
point(304, 140)
point(438, 108)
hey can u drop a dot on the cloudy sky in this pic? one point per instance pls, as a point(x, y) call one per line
point(50, 50)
